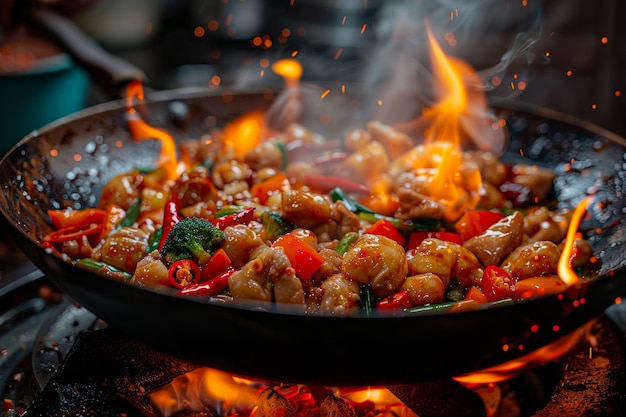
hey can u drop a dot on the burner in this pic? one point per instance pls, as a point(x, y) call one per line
point(60, 359)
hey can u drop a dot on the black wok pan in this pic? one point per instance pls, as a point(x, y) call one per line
point(290, 346)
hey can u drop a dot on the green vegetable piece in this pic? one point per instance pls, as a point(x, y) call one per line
point(455, 291)
point(274, 225)
point(131, 214)
point(192, 238)
point(97, 266)
point(367, 300)
point(346, 242)
point(154, 239)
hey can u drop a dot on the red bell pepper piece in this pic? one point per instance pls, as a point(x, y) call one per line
point(242, 217)
point(416, 238)
point(218, 263)
point(399, 300)
point(77, 218)
point(476, 294)
point(170, 218)
point(302, 256)
point(325, 183)
point(211, 287)
point(497, 284)
point(384, 227)
point(537, 286)
point(265, 189)
point(183, 273)
point(72, 232)
point(476, 222)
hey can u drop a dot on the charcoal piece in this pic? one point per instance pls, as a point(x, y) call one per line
point(107, 373)
point(439, 398)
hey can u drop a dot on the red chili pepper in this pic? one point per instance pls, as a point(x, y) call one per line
point(211, 287)
point(183, 273)
point(326, 183)
point(170, 218)
point(72, 232)
point(243, 217)
point(497, 284)
point(327, 161)
point(401, 299)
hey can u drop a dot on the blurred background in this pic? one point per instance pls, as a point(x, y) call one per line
point(566, 55)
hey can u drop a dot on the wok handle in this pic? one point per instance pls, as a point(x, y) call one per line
point(110, 71)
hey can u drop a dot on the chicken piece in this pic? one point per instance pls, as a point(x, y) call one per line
point(339, 295)
point(266, 278)
point(376, 261)
point(150, 271)
point(123, 248)
point(331, 266)
point(532, 260)
point(356, 139)
point(365, 164)
point(194, 186)
point(583, 251)
point(266, 154)
point(241, 243)
point(304, 209)
point(498, 240)
point(539, 180)
point(424, 289)
point(122, 190)
point(395, 142)
point(492, 169)
point(229, 172)
point(76, 248)
point(447, 260)
point(490, 196)
point(543, 224)
point(341, 221)
point(414, 205)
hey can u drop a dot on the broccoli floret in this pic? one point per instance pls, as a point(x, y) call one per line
point(192, 238)
point(274, 225)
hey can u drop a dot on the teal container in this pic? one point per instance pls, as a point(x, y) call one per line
point(29, 100)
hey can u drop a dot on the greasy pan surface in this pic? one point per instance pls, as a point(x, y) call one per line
point(295, 347)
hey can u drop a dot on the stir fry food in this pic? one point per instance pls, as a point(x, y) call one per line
point(370, 223)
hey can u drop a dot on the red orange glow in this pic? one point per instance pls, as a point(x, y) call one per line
point(566, 273)
point(244, 132)
point(141, 130)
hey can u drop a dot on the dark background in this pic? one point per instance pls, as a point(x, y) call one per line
point(565, 65)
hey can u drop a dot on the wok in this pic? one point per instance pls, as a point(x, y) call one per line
point(289, 346)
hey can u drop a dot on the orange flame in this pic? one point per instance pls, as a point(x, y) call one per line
point(244, 133)
point(141, 130)
point(510, 369)
point(456, 191)
point(290, 70)
point(566, 273)
point(204, 386)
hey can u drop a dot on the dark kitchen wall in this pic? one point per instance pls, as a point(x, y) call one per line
point(549, 53)
point(567, 55)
